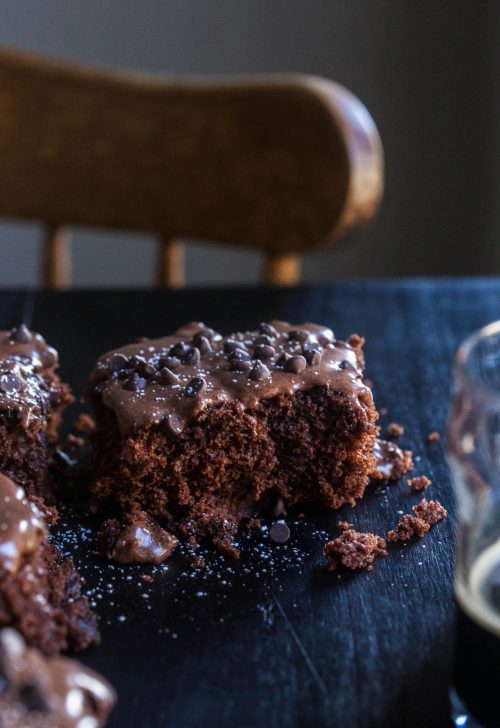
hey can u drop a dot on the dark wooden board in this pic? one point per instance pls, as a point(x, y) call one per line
point(273, 640)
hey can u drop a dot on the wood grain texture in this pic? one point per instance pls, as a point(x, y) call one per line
point(274, 640)
point(170, 271)
point(283, 164)
point(56, 257)
point(281, 270)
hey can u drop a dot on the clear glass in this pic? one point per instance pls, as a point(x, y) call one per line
point(473, 451)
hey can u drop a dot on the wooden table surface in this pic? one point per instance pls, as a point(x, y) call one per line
point(272, 639)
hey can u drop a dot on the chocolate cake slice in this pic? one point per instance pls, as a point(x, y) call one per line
point(40, 592)
point(32, 398)
point(199, 430)
point(48, 692)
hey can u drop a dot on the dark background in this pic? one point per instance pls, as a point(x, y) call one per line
point(428, 71)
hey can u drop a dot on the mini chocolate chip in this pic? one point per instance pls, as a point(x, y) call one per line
point(167, 376)
point(240, 365)
point(259, 371)
point(268, 330)
point(262, 339)
point(325, 337)
point(168, 361)
point(126, 373)
point(344, 364)
point(279, 532)
point(295, 364)
point(231, 345)
point(147, 371)
point(178, 350)
point(196, 386)
point(263, 351)
point(134, 383)
point(192, 357)
point(240, 354)
point(206, 333)
point(313, 357)
point(135, 362)
point(9, 383)
point(21, 334)
point(117, 361)
point(202, 343)
point(283, 359)
point(298, 335)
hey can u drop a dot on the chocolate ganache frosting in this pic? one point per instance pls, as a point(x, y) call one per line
point(25, 357)
point(172, 379)
point(22, 527)
point(48, 692)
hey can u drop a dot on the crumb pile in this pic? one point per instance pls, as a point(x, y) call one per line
point(353, 549)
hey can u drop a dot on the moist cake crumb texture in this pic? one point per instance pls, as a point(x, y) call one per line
point(201, 431)
point(32, 398)
point(421, 482)
point(40, 592)
point(354, 549)
point(427, 514)
point(395, 430)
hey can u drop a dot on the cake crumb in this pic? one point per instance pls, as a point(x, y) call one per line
point(198, 562)
point(427, 514)
point(353, 549)
point(147, 578)
point(433, 436)
point(395, 430)
point(391, 462)
point(430, 511)
point(84, 423)
point(383, 411)
point(421, 482)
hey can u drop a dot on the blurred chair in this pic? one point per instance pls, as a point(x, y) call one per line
point(281, 164)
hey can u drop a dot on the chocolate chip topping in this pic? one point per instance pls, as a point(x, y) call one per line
point(235, 368)
point(262, 339)
point(203, 344)
point(167, 376)
point(22, 526)
point(264, 352)
point(259, 371)
point(21, 334)
point(268, 330)
point(49, 691)
point(116, 362)
point(279, 532)
point(295, 364)
point(312, 357)
point(196, 386)
point(192, 357)
point(134, 383)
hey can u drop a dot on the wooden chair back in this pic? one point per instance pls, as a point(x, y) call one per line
point(281, 164)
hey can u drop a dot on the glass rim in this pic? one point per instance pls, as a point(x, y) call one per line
point(462, 355)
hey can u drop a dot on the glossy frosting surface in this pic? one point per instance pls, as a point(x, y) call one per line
point(22, 527)
point(204, 369)
point(63, 691)
point(24, 357)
